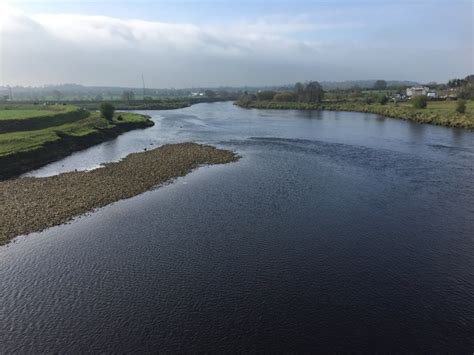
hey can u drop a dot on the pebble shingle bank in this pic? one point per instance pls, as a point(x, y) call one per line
point(33, 204)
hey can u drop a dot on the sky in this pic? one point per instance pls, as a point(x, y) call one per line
point(211, 43)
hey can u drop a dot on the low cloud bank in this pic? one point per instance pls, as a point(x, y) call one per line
point(94, 50)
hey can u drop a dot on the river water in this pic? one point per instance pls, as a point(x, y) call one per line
point(336, 231)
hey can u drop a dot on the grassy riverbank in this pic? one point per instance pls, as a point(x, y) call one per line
point(14, 118)
point(42, 138)
point(442, 113)
point(154, 104)
point(33, 204)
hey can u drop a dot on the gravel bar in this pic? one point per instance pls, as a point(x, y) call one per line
point(33, 204)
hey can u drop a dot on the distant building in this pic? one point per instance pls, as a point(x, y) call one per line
point(417, 91)
point(432, 95)
point(398, 97)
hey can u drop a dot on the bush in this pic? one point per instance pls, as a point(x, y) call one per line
point(285, 97)
point(380, 85)
point(246, 99)
point(382, 99)
point(266, 95)
point(419, 101)
point(107, 110)
point(461, 106)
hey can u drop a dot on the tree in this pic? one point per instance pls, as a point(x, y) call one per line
point(467, 89)
point(382, 99)
point(310, 92)
point(455, 83)
point(285, 96)
point(419, 101)
point(469, 79)
point(210, 93)
point(461, 106)
point(314, 92)
point(128, 96)
point(246, 99)
point(266, 95)
point(107, 110)
point(299, 91)
point(380, 85)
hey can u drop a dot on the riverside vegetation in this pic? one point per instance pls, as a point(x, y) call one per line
point(61, 197)
point(451, 113)
point(441, 113)
point(144, 104)
point(34, 135)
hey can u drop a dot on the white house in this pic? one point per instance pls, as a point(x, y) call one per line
point(417, 91)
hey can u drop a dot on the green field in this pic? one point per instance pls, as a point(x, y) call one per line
point(33, 117)
point(137, 104)
point(23, 148)
point(19, 112)
point(28, 140)
point(22, 114)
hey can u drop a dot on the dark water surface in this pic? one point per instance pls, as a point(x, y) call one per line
point(334, 232)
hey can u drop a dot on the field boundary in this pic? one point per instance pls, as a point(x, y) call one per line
point(41, 122)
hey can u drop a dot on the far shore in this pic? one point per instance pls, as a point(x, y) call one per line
point(33, 204)
point(441, 113)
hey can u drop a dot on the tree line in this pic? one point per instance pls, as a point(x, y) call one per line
point(309, 92)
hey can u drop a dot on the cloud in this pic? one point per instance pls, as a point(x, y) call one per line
point(72, 47)
point(100, 50)
point(111, 32)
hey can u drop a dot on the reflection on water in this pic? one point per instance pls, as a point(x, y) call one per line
point(336, 231)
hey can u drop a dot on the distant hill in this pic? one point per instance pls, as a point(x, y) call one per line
point(81, 92)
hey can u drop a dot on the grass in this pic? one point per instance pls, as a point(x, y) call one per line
point(16, 118)
point(138, 104)
point(21, 112)
point(30, 142)
point(441, 113)
point(32, 135)
point(443, 107)
point(14, 142)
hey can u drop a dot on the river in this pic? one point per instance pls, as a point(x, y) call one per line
point(336, 231)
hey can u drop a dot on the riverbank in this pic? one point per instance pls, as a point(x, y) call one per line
point(33, 135)
point(24, 150)
point(441, 113)
point(155, 104)
point(15, 118)
point(33, 204)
